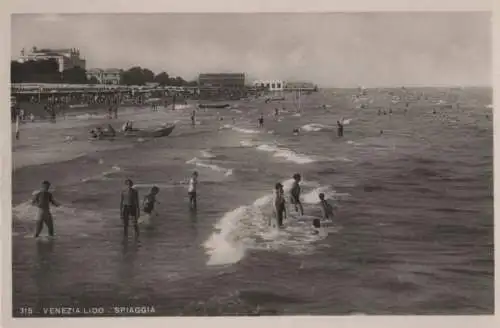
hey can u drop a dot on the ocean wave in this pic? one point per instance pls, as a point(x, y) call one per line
point(247, 227)
point(287, 154)
point(247, 143)
point(197, 162)
point(88, 116)
point(315, 127)
point(312, 197)
point(207, 154)
point(242, 130)
point(104, 175)
point(72, 219)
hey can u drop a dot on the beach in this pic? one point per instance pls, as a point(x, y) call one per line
point(413, 233)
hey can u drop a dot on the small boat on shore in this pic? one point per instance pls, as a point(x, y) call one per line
point(213, 105)
point(156, 133)
point(137, 133)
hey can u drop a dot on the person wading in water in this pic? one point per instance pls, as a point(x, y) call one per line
point(129, 207)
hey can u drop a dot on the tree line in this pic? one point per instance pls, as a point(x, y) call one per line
point(47, 71)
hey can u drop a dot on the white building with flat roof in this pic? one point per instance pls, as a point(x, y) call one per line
point(105, 76)
point(271, 85)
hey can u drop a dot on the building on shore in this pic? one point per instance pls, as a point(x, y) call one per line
point(221, 85)
point(303, 86)
point(66, 58)
point(270, 85)
point(105, 76)
point(222, 80)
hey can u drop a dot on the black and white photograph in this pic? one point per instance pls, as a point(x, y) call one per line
point(251, 164)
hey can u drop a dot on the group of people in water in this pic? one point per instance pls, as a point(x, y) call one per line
point(130, 205)
point(279, 203)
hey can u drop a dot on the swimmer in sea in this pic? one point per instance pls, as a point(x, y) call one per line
point(340, 129)
point(316, 226)
point(296, 131)
point(148, 204)
point(129, 207)
point(295, 194)
point(193, 182)
point(326, 208)
point(93, 134)
point(279, 204)
point(193, 118)
point(42, 200)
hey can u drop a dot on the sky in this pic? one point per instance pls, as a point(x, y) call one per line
point(329, 49)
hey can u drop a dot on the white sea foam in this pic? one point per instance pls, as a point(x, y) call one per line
point(242, 130)
point(287, 154)
point(246, 143)
point(72, 220)
point(103, 175)
point(88, 116)
point(207, 154)
point(200, 163)
point(297, 115)
point(314, 127)
point(347, 122)
point(312, 197)
point(248, 227)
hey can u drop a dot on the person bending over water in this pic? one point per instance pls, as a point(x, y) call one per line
point(295, 194)
point(193, 182)
point(42, 200)
point(148, 204)
point(129, 207)
point(279, 204)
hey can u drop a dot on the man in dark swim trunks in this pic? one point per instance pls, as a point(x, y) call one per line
point(42, 200)
point(295, 194)
point(261, 121)
point(192, 186)
point(279, 204)
point(129, 206)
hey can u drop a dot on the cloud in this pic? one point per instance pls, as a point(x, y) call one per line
point(372, 49)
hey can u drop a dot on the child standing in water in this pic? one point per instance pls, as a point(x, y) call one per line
point(129, 207)
point(42, 200)
point(193, 182)
point(261, 121)
point(295, 194)
point(148, 204)
point(279, 204)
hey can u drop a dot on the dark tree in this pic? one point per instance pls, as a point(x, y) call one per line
point(75, 75)
point(162, 79)
point(44, 71)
